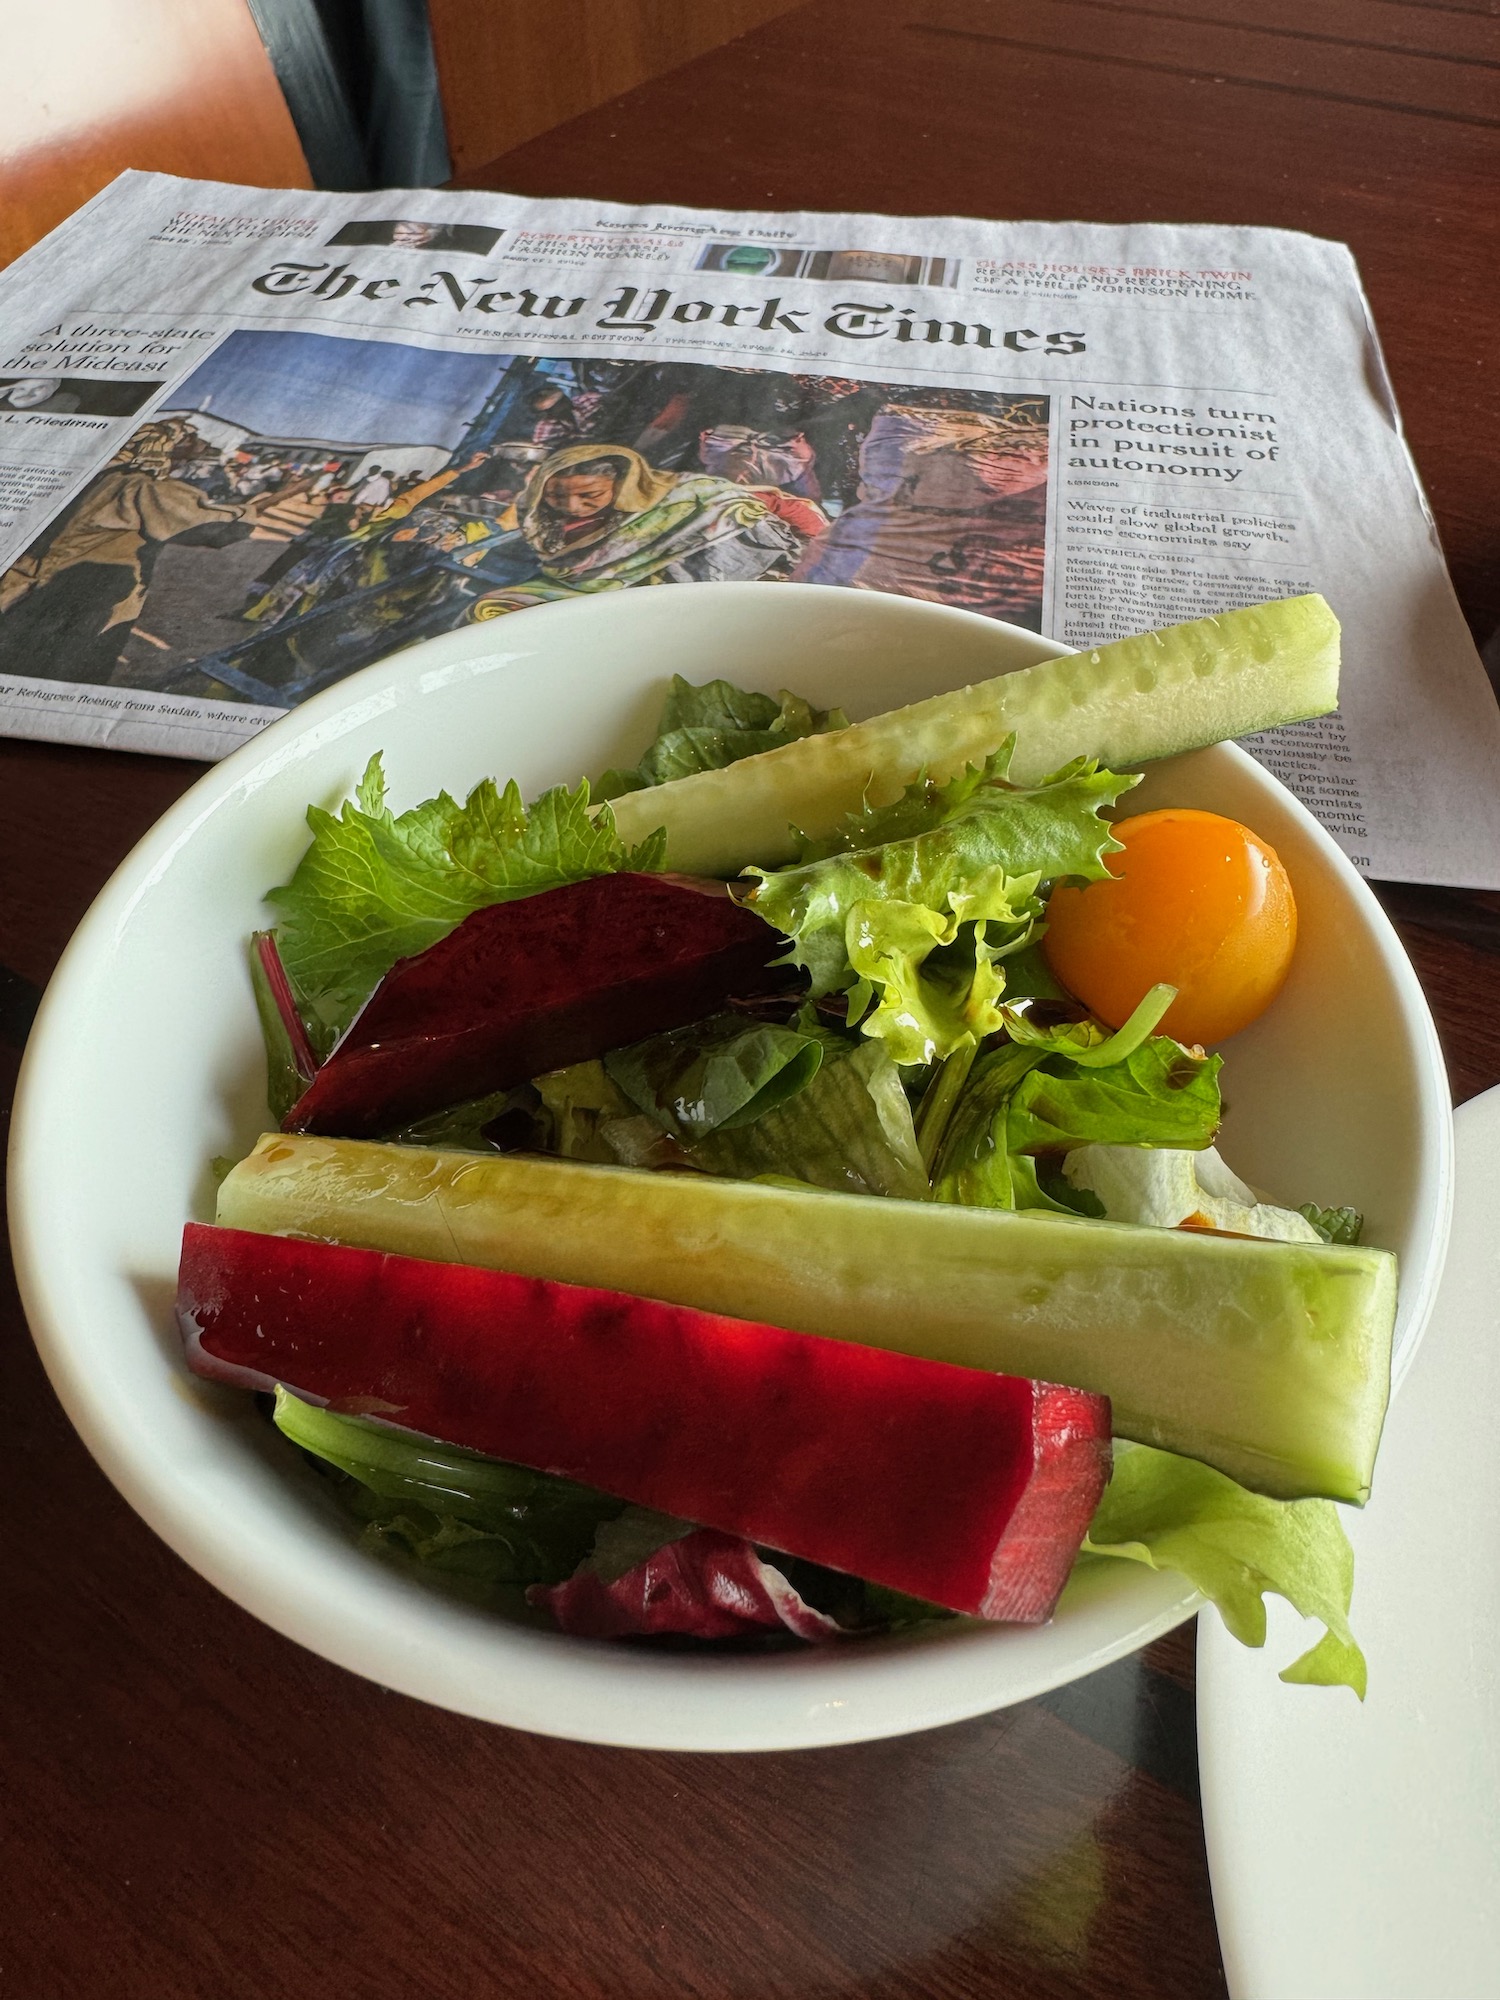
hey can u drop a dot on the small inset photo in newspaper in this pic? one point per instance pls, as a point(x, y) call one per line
point(750, 260)
point(75, 395)
point(467, 238)
point(872, 267)
point(304, 504)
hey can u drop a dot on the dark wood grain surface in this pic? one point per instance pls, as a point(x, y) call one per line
point(194, 1807)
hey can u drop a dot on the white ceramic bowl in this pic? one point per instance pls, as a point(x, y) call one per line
point(145, 1062)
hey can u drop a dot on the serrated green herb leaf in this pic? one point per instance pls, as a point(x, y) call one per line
point(375, 886)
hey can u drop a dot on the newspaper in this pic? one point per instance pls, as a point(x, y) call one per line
point(252, 440)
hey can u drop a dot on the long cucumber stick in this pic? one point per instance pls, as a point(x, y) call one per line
point(1268, 1360)
point(1126, 703)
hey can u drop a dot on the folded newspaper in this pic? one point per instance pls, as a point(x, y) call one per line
point(252, 440)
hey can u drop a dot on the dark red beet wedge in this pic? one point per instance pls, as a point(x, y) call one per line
point(521, 988)
point(969, 1489)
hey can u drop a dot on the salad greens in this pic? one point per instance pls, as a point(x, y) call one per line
point(919, 917)
point(944, 1064)
point(717, 1074)
point(376, 886)
point(577, 1103)
point(850, 1128)
point(289, 1060)
point(1334, 1225)
point(1166, 1187)
point(487, 1529)
point(799, 1103)
point(1173, 1513)
point(1159, 1095)
point(705, 728)
point(483, 1525)
point(1047, 1091)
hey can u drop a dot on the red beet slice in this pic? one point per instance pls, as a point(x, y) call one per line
point(704, 1585)
point(521, 988)
point(969, 1489)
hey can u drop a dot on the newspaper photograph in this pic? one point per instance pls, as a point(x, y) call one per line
point(252, 440)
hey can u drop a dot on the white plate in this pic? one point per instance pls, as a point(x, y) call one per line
point(145, 1063)
point(1355, 1851)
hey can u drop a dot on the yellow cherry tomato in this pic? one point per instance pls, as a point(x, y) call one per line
point(1193, 899)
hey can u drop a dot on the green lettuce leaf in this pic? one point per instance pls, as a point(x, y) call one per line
point(705, 728)
point(936, 981)
point(1024, 1098)
point(1160, 1095)
point(461, 1127)
point(376, 886)
point(716, 1074)
point(918, 919)
point(1334, 1225)
point(1164, 1187)
point(1086, 1042)
point(481, 1524)
point(1174, 1514)
point(974, 1165)
point(850, 1128)
point(577, 1102)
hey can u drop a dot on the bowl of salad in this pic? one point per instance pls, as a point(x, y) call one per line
point(745, 1168)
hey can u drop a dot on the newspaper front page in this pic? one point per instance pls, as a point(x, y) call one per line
point(252, 440)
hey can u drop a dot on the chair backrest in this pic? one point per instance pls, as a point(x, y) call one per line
point(90, 87)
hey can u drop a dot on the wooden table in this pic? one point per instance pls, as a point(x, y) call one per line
point(192, 1806)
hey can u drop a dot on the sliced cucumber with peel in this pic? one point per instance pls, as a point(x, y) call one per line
point(1126, 704)
point(1268, 1360)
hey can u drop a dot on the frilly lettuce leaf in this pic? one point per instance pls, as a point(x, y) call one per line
point(1038, 824)
point(376, 886)
point(1174, 1514)
point(936, 981)
point(880, 920)
point(705, 728)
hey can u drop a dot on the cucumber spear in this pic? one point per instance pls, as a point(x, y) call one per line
point(1125, 704)
point(1268, 1360)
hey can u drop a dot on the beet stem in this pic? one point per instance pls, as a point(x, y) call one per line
point(286, 1005)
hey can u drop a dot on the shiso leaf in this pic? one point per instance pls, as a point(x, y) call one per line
point(375, 886)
